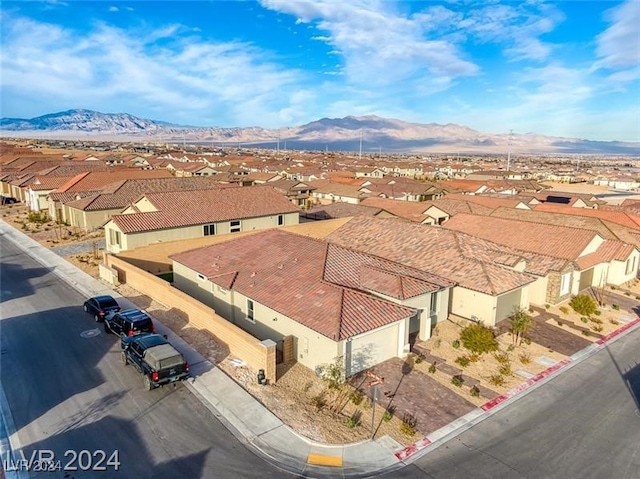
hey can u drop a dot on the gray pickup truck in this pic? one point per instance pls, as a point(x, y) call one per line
point(158, 361)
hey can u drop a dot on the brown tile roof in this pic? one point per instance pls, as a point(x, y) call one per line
point(283, 271)
point(550, 240)
point(42, 183)
point(340, 210)
point(454, 206)
point(487, 201)
point(186, 208)
point(95, 181)
point(470, 262)
point(410, 210)
point(338, 189)
point(122, 193)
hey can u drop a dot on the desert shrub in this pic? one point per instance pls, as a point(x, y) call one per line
point(563, 309)
point(596, 320)
point(387, 416)
point(432, 368)
point(474, 357)
point(475, 391)
point(502, 357)
point(478, 339)
point(319, 401)
point(457, 380)
point(354, 420)
point(356, 397)
point(597, 312)
point(584, 319)
point(527, 341)
point(615, 322)
point(558, 322)
point(436, 343)
point(547, 306)
point(613, 288)
point(627, 293)
point(525, 358)
point(586, 333)
point(597, 328)
point(505, 369)
point(307, 386)
point(455, 344)
point(637, 297)
point(511, 347)
point(408, 425)
point(583, 304)
point(37, 217)
point(496, 380)
point(419, 358)
point(463, 361)
point(616, 307)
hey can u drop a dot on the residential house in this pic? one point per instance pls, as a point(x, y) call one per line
point(491, 279)
point(178, 215)
point(595, 261)
point(327, 191)
point(488, 201)
point(342, 210)
point(409, 210)
point(298, 192)
point(334, 301)
point(368, 172)
point(439, 211)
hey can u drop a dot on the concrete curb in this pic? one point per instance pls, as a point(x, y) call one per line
point(460, 425)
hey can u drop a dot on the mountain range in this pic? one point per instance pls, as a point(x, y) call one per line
point(368, 134)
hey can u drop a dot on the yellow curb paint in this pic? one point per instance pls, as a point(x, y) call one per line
point(324, 460)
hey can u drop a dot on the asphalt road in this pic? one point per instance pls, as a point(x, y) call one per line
point(67, 392)
point(582, 424)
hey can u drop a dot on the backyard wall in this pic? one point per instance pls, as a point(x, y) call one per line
point(239, 343)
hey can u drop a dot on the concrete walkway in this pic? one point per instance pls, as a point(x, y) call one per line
point(257, 427)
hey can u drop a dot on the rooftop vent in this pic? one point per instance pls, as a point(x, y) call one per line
point(253, 274)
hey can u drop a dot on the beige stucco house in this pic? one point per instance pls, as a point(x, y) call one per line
point(333, 300)
point(594, 260)
point(187, 214)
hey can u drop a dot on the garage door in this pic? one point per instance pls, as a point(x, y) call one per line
point(373, 348)
point(506, 304)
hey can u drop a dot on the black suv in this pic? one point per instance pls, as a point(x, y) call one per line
point(130, 322)
point(8, 200)
point(100, 306)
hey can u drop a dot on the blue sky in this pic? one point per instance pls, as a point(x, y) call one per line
point(567, 69)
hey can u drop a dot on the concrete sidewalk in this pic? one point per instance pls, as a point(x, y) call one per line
point(260, 430)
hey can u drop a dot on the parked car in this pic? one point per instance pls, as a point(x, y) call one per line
point(153, 356)
point(8, 200)
point(129, 322)
point(100, 306)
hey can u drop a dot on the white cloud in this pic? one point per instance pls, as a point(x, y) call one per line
point(379, 45)
point(113, 9)
point(182, 78)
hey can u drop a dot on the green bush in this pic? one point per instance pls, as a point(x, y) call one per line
point(511, 347)
point(457, 380)
point(356, 397)
point(597, 312)
point(354, 420)
point(432, 368)
point(463, 361)
point(597, 328)
point(584, 319)
point(527, 341)
point(478, 339)
point(505, 370)
point(583, 304)
point(387, 416)
point(615, 322)
point(616, 307)
point(474, 357)
point(525, 358)
point(319, 401)
point(419, 358)
point(563, 309)
point(455, 343)
point(475, 391)
point(408, 426)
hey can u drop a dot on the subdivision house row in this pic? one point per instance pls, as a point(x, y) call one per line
point(375, 285)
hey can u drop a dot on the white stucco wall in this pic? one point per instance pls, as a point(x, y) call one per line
point(468, 303)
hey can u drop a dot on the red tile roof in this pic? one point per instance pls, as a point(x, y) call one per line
point(620, 217)
point(284, 272)
point(176, 209)
point(410, 210)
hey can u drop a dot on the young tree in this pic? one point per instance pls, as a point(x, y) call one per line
point(520, 323)
point(333, 376)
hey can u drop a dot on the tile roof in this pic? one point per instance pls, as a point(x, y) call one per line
point(623, 218)
point(608, 251)
point(471, 262)
point(340, 210)
point(43, 183)
point(550, 240)
point(454, 206)
point(410, 210)
point(487, 201)
point(338, 189)
point(96, 180)
point(284, 271)
point(176, 209)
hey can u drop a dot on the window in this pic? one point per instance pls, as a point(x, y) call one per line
point(565, 284)
point(250, 310)
point(234, 226)
point(114, 237)
point(201, 277)
point(209, 230)
point(280, 220)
